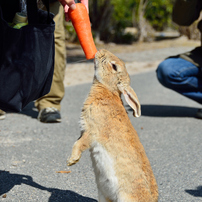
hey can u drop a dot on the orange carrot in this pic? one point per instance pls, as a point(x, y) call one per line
point(81, 23)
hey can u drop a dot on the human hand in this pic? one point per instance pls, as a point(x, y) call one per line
point(71, 4)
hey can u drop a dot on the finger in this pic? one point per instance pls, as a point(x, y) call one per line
point(85, 2)
point(66, 8)
point(71, 4)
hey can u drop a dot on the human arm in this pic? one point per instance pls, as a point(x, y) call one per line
point(185, 12)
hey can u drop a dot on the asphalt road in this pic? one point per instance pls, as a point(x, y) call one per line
point(31, 152)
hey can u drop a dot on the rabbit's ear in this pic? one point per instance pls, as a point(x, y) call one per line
point(132, 100)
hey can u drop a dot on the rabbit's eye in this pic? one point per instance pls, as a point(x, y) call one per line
point(114, 67)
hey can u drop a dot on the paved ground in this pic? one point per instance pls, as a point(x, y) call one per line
point(31, 152)
point(137, 57)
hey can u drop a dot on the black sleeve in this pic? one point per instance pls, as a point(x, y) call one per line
point(185, 12)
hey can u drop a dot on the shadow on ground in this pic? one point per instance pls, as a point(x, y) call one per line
point(166, 111)
point(196, 193)
point(9, 180)
point(146, 110)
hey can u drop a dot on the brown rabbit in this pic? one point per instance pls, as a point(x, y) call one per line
point(122, 169)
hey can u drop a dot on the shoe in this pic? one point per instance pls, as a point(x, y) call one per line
point(49, 115)
point(2, 114)
point(199, 114)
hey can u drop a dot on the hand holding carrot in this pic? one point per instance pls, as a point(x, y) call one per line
point(70, 4)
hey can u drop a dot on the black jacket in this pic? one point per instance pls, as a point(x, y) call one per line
point(185, 12)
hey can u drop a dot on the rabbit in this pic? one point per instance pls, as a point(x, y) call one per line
point(122, 169)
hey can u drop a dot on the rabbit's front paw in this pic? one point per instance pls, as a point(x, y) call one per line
point(73, 160)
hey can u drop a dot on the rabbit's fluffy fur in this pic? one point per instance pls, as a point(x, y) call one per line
point(122, 169)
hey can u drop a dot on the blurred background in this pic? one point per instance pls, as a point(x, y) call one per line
point(129, 21)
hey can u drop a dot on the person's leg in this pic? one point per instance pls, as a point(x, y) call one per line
point(49, 105)
point(183, 77)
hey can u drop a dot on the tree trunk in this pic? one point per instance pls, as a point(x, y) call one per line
point(142, 20)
